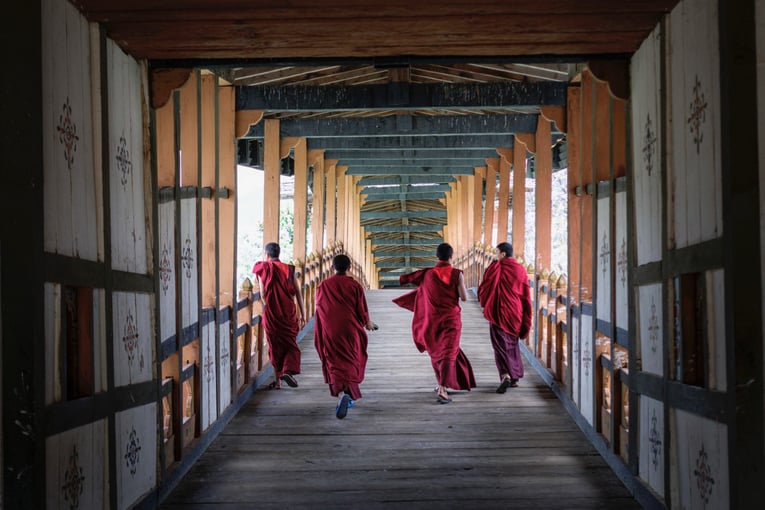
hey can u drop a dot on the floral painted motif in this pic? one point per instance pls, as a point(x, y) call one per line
point(654, 439)
point(649, 145)
point(124, 165)
point(67, 134)
point(621, 263)
point(130, 337)
point(605, 254)
point(165, 270)
point(73, 480)
point(703, 473)
point(653, 328)
point(132, 451)
point(697, 114)
point(187, 257)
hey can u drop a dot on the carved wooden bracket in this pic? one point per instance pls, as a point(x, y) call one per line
point(615, 72)
point(557, 115)
point(245, 119)
point(506, 154)
point(164, 81)
point(528, 140)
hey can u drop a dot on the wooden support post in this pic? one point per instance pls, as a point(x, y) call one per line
point(543, 194)
point(271, 165)
point(227, 290)
point(316, 159)
point(504, 202)
point(574, 199)
point(341, 231)
point(331, 199)
point(301, 200)
point(492, 166)
point(519, 198)
point(477, 198)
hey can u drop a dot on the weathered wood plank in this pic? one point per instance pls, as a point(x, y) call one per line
point(398, 448)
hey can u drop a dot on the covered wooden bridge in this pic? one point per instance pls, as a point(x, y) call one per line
point(133, 359)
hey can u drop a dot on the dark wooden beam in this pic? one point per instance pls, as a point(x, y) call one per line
point(435, 162)
point(404, 266)
point(433, 195)
point(405, 125)
point(473, 142)
point(410, 170)
point(402, 214)
point(424, 155)
point(410, 242)
point(404, 228)
point(404, 188)
point(403, 179)
point(412, 252)
point(402, 96)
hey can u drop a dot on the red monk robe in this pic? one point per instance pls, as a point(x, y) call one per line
point(340, 338)
point(279, 315)
point(437, 322)
point(505, 297)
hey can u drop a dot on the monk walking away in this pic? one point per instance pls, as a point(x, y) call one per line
point(342, 316)
point(437, 321)
point(279, 287)
point(504, 294)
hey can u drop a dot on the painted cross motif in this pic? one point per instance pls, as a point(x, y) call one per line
point(130, 338)
point(209, 365)
point(649, 140)
point(132, 450)
point(703, 472)
point(654, 438)
point(124, 165)
point(73, 481)
point(698, 114)
point(605, 254)
point(586, 358)
point(653, 328)
point(67, 134)
point(187, 257)
point(621, 262)
point(165, 269)
point(223, 350)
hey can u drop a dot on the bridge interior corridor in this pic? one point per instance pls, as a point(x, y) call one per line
point(399, 448)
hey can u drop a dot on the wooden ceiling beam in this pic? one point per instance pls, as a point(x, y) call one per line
point(401, 96)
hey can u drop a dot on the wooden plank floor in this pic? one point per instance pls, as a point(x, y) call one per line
point(399, 448)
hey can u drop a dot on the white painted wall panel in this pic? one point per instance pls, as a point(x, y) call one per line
point(76, 470)
point(587, 370)
point(224, 365)
point(650, 332)
point(699, 462)
point(167, 270)
point(136, 456)
point(133, 341)
point(652, 443)
point(694, 103)
point(71, 183)
point(126, 162)
point(621, 262)
point(209, 378)
point(605, 260)
point(647, 132)
point(189, 260)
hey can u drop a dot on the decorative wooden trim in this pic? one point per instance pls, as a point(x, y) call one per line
point(527, 140)
point(165, 81)
point(556, 115)
point(168, 347)
point(647, 274)
point(166, 194)
point(615, 72)
point(245, 119)
point(506, 154)
point(189, 334)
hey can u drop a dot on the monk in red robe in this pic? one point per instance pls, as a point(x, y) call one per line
point(505, 297)
point(279, 287)
point(339, 336)
point(437, 321)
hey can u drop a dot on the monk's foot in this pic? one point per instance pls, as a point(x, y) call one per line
point(514, 383)
point(290, 380)
point(443, 399)
point(506, 383)
point(342, 406)
point(275, 386)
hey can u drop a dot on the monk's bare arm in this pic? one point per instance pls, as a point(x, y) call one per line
point(299, 296)
point(462, 289)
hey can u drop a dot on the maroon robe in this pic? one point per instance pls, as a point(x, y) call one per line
point(340, 338)
point(506, 301)
point(437, 322)
point(279, 315)
point(505, 297)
